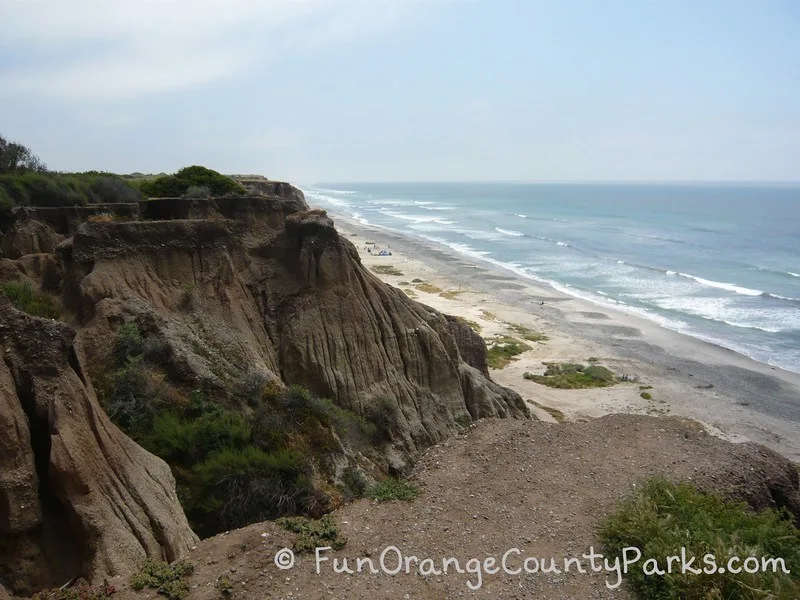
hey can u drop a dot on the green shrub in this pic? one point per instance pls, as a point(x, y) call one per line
point(132, 400)
point(198, 191)
point(30, 301)
point(571, 376)
point(167, 580)
point(312, 534)
point(504, 350)
point(527, 333)
point(646, 395)
point(128, 343)
point(599, 373)
point(661, 518)
point(383, 413)
point(249, 485)
point(354, 483)
point(66, 189)
point(173, 186)
point(387, 270)
point(392, 488)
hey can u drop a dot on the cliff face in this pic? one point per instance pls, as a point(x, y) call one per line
point(76, 495)
point(297, 303)
point(231, 287)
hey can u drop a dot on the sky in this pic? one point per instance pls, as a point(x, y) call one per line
point(408, 90)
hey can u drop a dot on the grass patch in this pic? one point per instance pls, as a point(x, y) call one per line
point(386, 270)
point(572, 376)
point(489, 316)
point(30, 301)
point(527, 333)
point(167, 580)
point(392, 488)
point(428, 288)
point(471, 324)
point(503, 350)
point(645, 387)
point(646, 395)
point(451, 294)
point(660, 518)
point(313, 533)
point(553, 412)
point(593, 359)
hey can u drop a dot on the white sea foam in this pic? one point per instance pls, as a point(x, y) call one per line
point(325, 199)
point(561, 244)
point(415, 218)
point(793, 274)
point(509, 232)
point(730, 287)
point(520, 216)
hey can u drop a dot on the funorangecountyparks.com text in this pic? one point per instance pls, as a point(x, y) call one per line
point(393, 562)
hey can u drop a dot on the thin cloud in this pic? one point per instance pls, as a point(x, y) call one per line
point(130, 49)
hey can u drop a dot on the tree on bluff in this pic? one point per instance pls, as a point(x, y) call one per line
point(16, 158)
point(170, 186)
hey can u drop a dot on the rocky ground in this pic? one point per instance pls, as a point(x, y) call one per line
point(542, 488)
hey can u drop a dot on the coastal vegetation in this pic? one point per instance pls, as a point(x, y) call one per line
point(313, 533)
point(570, 376)
point(527, 333)
point(194, 178)
point(659, 518)
point(167, 580)
point(393, 488)
point(428, 288)
point(504, 349)
point(29, 300)
point(387, 270)
point(260, 453)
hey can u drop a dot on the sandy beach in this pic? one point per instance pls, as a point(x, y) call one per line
point(732, 396)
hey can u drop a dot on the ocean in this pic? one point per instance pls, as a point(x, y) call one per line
point(720, 262)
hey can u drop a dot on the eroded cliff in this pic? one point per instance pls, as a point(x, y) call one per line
point(77, 496)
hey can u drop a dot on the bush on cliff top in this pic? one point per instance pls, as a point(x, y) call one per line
point(33, 188)
point(661, 518)
point(173, 186)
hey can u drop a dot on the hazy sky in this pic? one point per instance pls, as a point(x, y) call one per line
point(373, 90)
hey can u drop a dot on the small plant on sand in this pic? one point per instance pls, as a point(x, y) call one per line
point(488, 316)
point(393, 488)
point(387, 270)
point(646, 395)
point(428, 288)
point(571, 376)
point(313, 533)
point(503, 350)
point(410, 293)
point(451, 294)
point(167, 580)
point(645, 387)
point(660, 518)
point(28, 300)
point(527, 333)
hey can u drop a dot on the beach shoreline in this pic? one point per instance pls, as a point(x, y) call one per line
point(731, 395)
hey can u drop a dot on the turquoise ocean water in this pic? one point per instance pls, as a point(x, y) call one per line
point(718, 262)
